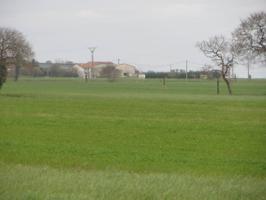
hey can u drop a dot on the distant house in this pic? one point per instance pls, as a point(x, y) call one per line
point(94, 71)
point(141, 76)
point(127, 70)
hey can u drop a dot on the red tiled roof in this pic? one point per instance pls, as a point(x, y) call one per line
point(89, 65)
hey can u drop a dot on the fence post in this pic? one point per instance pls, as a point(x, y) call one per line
point(218, 86)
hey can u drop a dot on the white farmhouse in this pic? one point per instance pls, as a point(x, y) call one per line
point(127, 70)
point(94, 71)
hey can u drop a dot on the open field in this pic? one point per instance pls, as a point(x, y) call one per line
point(132, 139)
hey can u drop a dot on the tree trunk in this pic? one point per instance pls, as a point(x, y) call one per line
point(3, 74)
point(218, 86)
point(17, 69)
point(228, 84)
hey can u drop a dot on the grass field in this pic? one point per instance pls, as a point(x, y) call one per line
point(132, 139)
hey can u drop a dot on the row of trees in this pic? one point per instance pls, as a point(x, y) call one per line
point(181, 74)
point(55, 70)
point(248, 41)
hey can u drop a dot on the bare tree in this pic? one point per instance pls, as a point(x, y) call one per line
point(250, 37)
point(110, 72)
point(14, 49)
point(222, 53)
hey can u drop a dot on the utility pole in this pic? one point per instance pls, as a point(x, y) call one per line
point(118, 61)
point(186, 69)
point(89, 71)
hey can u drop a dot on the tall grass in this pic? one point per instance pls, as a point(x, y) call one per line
point(25, 182)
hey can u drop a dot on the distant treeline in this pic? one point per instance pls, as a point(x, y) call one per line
point(35, 70)
point(181, 74)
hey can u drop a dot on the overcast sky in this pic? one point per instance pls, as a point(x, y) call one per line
point(149, 33)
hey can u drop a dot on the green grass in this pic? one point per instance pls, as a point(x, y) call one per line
point(132, 139)
point(24, 183)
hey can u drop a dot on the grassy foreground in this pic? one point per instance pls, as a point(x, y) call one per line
point(64, 139)
point(24, 182)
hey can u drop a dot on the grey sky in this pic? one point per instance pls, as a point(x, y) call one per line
point(149, 33)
